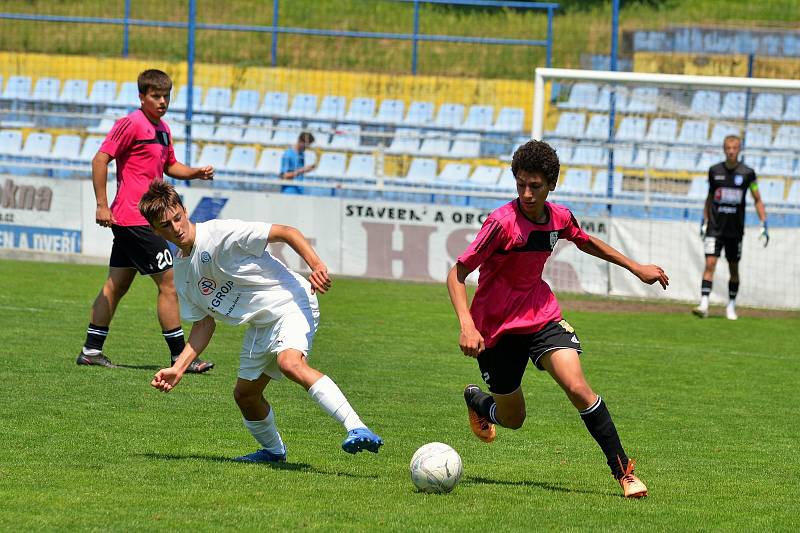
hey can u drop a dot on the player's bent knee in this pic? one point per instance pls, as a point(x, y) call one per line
point(245, 397)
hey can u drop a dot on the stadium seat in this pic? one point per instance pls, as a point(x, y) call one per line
point(229, 130)
point(693, 132)
point(603, 102)
point(46, 90)
point(390, 112)
point(104, 92)
point(303, 106)
point(632, 129)
point(37, 145)
point(182, 98)
point(110, 116)
point(177, 124)
point(203, 127)
point(563, 149)
point(777, 165)
point(258, 131)
point(507, 180)
point(570, 125)
point(217, 100)
point(794, 193)
point(576, 181)
point(286, 133)
point(708, 159)
point(361, 166)
point(10, 142)
point(332, 108)
point(787, 137)
point(466, 145)
point(597, 127)
point(485, 176)
point(582, 96)
point(449, 116)
point(213, 154)
point(275, 104)
point(698, 188)
point(128, 95)
point(589, 155)
point(246, 101)
point(771, 190)
point(270, 161)
point(642, 100)
point(705, 103)
point(74, 92)
point(662, 130)
point(405, 141)
point(346, 137)
point(242, 158)
point(455, 173)
point(630, 157)
point(682, 160)
point(90, 147)
point(768, 106)
point(657, 158)
point(66, 147)
point(509, 120)
point(331, 165)
point(419, 114)
point(435, 143)
point(792, 112)
point(361, 110)
point(17, 88)
point(758, 135)
point(722, 130)
point(600, 186)
point(479, 117)
point(422, 169)
point(322, 133)
point(180, 153)
point(733, 105)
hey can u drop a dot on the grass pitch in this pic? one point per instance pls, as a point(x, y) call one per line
point(709, 409)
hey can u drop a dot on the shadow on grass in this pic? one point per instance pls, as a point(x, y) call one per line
point(302, 467)
point(141, 367)
point(540, 484)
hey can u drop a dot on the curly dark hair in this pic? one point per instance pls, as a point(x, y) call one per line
point(537, 157)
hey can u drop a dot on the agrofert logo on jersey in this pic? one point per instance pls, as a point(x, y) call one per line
point(206, 285)
point(205, 257)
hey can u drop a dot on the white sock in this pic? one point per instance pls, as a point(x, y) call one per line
point(732, 304)
point(266, 433)
point(704, 302)
point(333, 402)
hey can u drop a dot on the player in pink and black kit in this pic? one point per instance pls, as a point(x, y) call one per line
point(515, 317)
point(141, 143)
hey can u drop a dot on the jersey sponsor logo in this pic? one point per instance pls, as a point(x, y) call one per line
point(728, 195)
point(719, 177)
point(538, 241)
point(206, 285)
point(205, 257)
point(220, 296)
point(163, 138)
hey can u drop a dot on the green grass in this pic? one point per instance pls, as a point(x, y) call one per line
point(576, 32)
point(709, 408)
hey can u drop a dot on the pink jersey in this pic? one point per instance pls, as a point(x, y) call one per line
point(143, 151)
point(511, 251)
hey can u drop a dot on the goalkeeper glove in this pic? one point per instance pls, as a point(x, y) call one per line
point(703, 228)
point(763, 236)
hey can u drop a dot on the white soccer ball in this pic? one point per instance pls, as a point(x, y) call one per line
point(435, 467)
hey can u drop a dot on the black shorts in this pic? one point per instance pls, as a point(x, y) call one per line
point(140, 248)
point(503, 365)
point(732, 245)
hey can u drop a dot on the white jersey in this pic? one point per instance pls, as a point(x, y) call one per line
point(229, 275)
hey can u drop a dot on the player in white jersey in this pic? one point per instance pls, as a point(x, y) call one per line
point(224, 272)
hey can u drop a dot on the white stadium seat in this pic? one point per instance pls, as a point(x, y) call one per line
point(242, 158)
point(422, 169)
point(246, 101)
point(275, 104)
point(46, 90)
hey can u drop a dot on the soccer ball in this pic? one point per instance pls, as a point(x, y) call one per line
point(436, 468)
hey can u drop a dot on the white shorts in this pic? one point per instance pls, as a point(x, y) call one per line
point(262, 344)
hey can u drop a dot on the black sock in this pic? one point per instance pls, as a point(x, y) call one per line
point(483, 404)
point(598, 422)
point(733, 289)
point(95, 337)
point(705, 287)
point(174, 338)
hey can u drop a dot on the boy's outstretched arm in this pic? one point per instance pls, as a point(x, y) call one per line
point(319, 278)
point(647, 273)
point(202, 331)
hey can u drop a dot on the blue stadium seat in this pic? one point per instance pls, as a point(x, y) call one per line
point(390, 112)
point(509, 120)
point(662, 130)
point(582, 96)
point(597, 127)
point(771, 190)
point(361, 166)
point(303, 106)
point(422, 170)
point(180, 153)
point(485, 176)
point(110, 116)
point(361, 110)
point(229, 130)
point(449, 116)
point(455, 173)
point(733, 105)
point(589, 155)
point(630, 157)
point(794, 193)
point(758, 135)
point(768, 106)
point(74, 92)
point(286, 133)
point(603, 102)
point(777, 165)
point(682, 160)
point(203, 127)
point(217, 100)
point(479, 117)
point(332, 108)
point(569, 125)
point(600, 185)
point(576, 181)
point(128, 96)
point(17, 88)
point(66, 147)
point(258, 131)
point(181, 99)
point(466, 145)
point(346, 137)
point(632, 129)
point(787, 137)
point(705, 103)
point(642, 100)
point(709, 158)
point(242, 158)
point(405, 141)
point(213, 154)
point(563, 149)
point(722, 130)
point(657, 158)
point(507, 181)
point(46, 90)
point(792, 112)
point(693, 132)
point(322, 133)
point(275, 104)
point(90, 147)
point(698, 188)
point(435, 143)
point(104, 92)
point(270, 161)
point(246, 101)
point(331, 165)
point(419, 114)
point(37, 145)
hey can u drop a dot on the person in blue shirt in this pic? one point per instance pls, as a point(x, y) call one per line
point(293, 163)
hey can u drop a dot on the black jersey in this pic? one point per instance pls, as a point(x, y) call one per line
point(728, 190)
